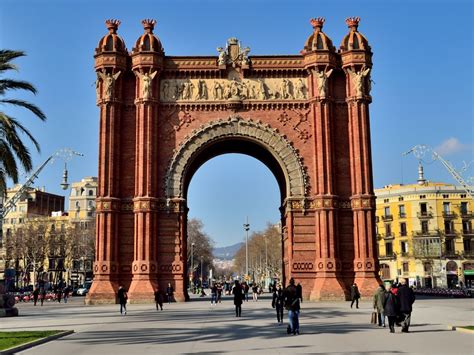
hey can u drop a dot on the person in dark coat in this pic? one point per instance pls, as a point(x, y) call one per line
point(292, 304)
point(390, 308)
point(238, 297)
point(36, 293)
point(158, 298)
point(122, 298)
point(355, 295)
point(406, 298)
point(299, 292)
point(278, 302)
point(169, 293)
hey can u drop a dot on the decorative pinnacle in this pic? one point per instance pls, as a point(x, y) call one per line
point(317, 23)
point(149, 25)
point(112, 25)
point(353, 22)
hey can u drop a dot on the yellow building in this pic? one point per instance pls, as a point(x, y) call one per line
point(424, 234)
point(82, 199)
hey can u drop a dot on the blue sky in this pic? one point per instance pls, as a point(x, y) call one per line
point(423, 92)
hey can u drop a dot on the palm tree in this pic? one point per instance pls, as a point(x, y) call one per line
point(12, 149)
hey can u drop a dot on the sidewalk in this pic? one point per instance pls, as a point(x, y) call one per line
point(195, 327)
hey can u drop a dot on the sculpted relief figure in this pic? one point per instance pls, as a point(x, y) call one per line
point(165, 91)
point(300, 89)
point(285, 89)
point(187, 90)
point(235, 88)
point(245, 56)
point(358, 78)
point(109, 83)
point(217, 91)
point(322, 81)
point(202, 90)
point(222, 59)
point(262, 90)
point(146, 80)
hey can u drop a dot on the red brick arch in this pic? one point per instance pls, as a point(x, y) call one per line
point(305, 116)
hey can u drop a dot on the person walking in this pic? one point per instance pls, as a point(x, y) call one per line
point(292, 304)
point(278, 303)
point(355, 295)
point(246, 291)
point(169, 293)
point(158, 298)
point(214, 295)
point(299, 290)
point(238, 298)
point(390, 308)
point(255, 292)
point(66, 293)
point(379, 298)
point(36, 293)
point(219, 293)
point(406, 298)
point(43, 294)
point(122, 298)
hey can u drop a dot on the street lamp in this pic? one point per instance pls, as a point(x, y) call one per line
point(201, 275)
point(192, 266)
point(246, 228)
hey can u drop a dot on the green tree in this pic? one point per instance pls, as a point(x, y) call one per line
point(12, 148)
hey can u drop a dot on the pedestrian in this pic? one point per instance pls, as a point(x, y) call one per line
point(66, 293)
point(122, 298)
point(406, 298)
point(278, 303)
point(355, 295)
point(379, 298)
point(246, 291)
point(292, 304)
point(158, 298)
point(36, 293)
point(299, 291)
point(59, 292)
point(43, 294)
point(390, 308)
point(238, 298)
point(169, 292)
point(255, 292)
point(213, 295)
point(219, 292)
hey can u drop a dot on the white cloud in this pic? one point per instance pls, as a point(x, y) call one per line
point(451, 146)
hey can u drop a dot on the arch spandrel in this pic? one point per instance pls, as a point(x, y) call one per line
point(236, 127)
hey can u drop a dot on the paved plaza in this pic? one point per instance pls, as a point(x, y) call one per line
point(196, 327)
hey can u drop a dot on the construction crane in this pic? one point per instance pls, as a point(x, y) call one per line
point(419, 151)
point(66, 154)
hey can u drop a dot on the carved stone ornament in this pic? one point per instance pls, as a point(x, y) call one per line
point(360, 81)
point(108, 84)
point(146, 80)
point(235, 126)
point(209, 90)
point(233, 54)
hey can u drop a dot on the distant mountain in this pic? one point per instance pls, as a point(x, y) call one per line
point(227, 253)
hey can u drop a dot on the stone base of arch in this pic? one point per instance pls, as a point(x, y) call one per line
point(328, 287)
point(102, 292)
point(142, 290)
point(367, 283)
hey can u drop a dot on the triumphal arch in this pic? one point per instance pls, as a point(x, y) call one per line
point(305, 116)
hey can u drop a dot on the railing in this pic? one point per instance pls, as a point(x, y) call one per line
point(426, 234)
point(423, 215)
point(389, 236)
point(468, 233)
point(449, 214)
point(402, 215)
point(467, 214)
point(387, 218)
point(388, 256)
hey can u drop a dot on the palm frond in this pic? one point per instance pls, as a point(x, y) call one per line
point(10, 84)
point(8, 160)
point(25, 104)
point(15, 123)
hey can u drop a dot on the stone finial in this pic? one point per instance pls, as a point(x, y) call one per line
point(112, 25)
point(149, 25)
point(317, 23)
point(353, 23)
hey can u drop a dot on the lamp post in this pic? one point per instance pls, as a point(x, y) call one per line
point(246, 228)
point(192, 266)
point(202, 280)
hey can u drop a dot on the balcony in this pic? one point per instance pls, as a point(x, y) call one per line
point(391, 256)
point(467, 214)
point(450, 233)
point(387, 218)
point(425, 234)
point(468, 233)
point(424, 215)
point(449, 215)
point(389, 236)
point(402, 215)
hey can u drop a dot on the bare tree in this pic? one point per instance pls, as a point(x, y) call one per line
point(203, 246)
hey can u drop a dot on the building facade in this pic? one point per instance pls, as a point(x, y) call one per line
point(424, 234)
point(305, 115)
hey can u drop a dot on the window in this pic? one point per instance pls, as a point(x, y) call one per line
point(467, 245)
point(13, 221)
point(466, 227)
point(448, 227)
point(400, 198)
point(91, 192)
point(403, 229)
point(463, 196)
point(388, 229)
point(404, 247)
point(427, 267)
point(386, 200)
point(52, 263)
point(388, 249)
point(401, 211)
point(386, 211)
point(423, 208)
point(446, 207)
point(91, 204)
point(405, 267)
point(422, 197)
point(463, 208)
point(449, 245)
point(445, 196)
point(424, 226)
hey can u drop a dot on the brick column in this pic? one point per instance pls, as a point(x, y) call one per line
point(144, 267)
